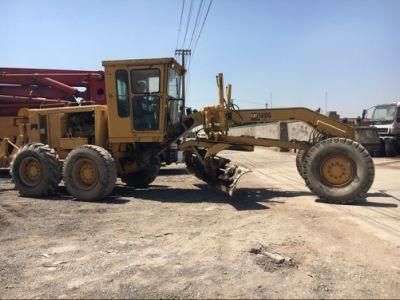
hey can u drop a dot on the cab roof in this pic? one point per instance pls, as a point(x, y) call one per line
point(144, 62)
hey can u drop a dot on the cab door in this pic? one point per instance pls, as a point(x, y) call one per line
point(146, 100)
point(136, 103)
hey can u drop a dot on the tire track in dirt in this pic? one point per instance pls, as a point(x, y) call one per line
point(375, 215)
point(372, 220)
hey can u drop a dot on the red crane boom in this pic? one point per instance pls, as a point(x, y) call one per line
point(33, 88)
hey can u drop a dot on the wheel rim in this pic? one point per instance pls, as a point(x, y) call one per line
point(85, 174)
point(338, 170)
point(30, 171)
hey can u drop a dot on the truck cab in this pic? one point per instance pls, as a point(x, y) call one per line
point(386, 119)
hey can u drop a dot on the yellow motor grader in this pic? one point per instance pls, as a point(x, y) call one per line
point(89, 146)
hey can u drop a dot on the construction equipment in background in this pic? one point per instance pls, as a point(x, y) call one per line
point(36, 88)
point(88, 146)
point(369, 137)
point(366, 135)
point(386, 119)
point(44, 88)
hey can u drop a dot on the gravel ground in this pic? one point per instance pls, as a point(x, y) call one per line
point(182, 239)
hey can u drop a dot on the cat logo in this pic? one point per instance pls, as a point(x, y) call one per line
point(259, 116)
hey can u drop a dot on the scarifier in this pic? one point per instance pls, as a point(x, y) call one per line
point(89, 145)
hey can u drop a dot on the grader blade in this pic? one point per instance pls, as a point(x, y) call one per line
point(215, 170)
point(229, 180)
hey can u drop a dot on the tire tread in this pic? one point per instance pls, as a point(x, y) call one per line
point(50, 163)
point(356, 147)
point(107, 182)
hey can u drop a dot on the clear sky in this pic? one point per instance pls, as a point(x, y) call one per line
point(297, 50)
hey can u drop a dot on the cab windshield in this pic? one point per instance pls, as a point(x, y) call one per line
point(384, 113)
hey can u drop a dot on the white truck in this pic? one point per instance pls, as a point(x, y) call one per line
point(386, 119)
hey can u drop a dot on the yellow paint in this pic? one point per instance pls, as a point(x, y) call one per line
point(8, 126)
point(30, 171)
point(337, 170)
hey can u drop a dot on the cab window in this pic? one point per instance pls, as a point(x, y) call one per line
point(145, 105)
point(174, 102)
point(121, 77)
point(173, 84)
point(145, 81)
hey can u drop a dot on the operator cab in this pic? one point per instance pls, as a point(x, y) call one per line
point(144, 98)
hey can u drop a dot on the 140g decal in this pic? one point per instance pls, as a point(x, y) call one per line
point(257, 116)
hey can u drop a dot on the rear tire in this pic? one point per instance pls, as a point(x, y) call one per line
point(338, 170)
point(89, 173)
point(142, 178)
point(299, 161)
point(35, 170)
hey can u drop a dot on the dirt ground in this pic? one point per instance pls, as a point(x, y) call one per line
point(182, 239)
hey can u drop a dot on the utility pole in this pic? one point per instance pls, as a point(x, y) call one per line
point(270, 97)
point(183, 53)
point(326, 103)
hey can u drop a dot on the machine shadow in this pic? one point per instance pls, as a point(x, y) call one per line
point(251, 198)
point(384, 194)
point(365, 202)
point(376, 204)
point(5, 173)
point(244, 198)
point(173, 171)
point(62, 194)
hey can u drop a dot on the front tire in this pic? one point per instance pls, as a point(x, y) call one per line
point(299, 161)
point(35, 170)
point(89, 173)
point(338, 170)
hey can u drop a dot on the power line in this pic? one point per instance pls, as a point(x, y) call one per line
point(201, 30)
point(180, 23)
point(196, 22)
point(202, 26)
point(188, 22)
point(193, 38)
